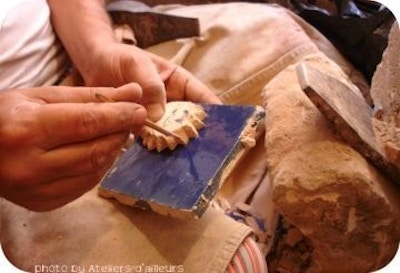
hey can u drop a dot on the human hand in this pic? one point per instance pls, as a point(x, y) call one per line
point(56, 143)
point(117, 64)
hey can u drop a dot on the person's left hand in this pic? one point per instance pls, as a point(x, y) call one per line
point(117, 64)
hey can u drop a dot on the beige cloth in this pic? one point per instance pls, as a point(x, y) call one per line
point(237, 58)
point(243, 46)
point(96, 232)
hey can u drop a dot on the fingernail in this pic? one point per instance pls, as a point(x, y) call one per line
point(140, 113)
point(155, 111)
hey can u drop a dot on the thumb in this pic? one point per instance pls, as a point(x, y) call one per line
point(154, 99)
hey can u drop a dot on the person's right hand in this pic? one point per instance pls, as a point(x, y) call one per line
point(56, 143)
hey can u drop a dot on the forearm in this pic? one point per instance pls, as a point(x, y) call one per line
point(83, 27)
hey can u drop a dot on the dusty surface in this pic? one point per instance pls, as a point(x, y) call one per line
point(386, 81)
point(351, 209)
point(385, 93)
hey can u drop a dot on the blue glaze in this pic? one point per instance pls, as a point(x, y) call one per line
point(177, 179)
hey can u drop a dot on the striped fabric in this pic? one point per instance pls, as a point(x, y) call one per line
point(248, 259)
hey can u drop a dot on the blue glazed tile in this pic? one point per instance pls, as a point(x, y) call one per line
point(178, 179)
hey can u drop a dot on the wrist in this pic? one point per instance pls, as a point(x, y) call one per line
point(114, 64)
point(84, 28)
point(93, 64)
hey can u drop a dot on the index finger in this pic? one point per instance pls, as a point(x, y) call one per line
point(64, 123)
point(61, 94)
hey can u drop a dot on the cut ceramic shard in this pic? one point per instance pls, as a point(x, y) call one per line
point(252, 131)
point(182, 118)
point(182, 183)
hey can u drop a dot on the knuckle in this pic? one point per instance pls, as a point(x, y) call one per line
point(124, 118)
point(17, 130)
point(153, 89)
point(13, 135)
point(100, 157)
point(104, 153)
point(18, 178)
point(90, 123)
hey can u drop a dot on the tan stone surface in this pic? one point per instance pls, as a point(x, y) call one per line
point(385, 92)
point(350, 116)
point(385, 89)
point(344, 207)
